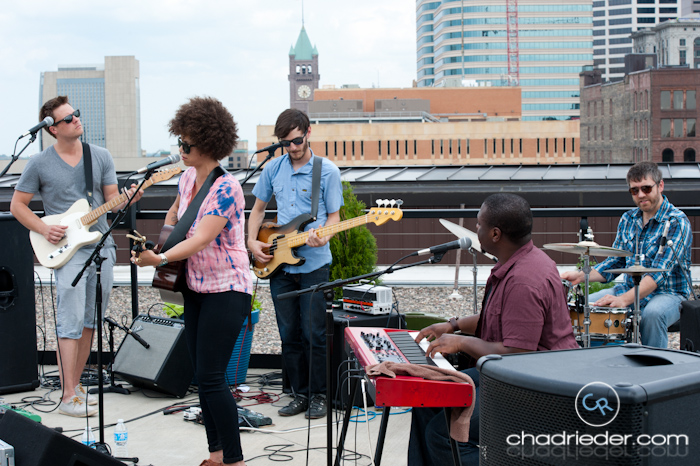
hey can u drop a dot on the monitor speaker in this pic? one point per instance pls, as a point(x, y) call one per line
point(690, 326)
point(165, 365)
point(617, 404)
point(18, 353)
point(37, 445)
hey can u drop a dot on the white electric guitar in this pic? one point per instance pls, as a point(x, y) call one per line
point(79, 218)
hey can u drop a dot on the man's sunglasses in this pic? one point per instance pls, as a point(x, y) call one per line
point(645, 189)
point(185, 147)
point(69, 118)
point(296, 141)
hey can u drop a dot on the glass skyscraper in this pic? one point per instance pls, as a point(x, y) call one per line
point(540, 45)
point(108, 97)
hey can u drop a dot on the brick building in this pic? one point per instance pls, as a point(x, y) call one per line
point(432, 126)
point(649, 115)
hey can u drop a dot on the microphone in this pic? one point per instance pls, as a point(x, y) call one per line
point(174, 158)
point(48, 121)
point(271, 148)
point(462, 243)
point(127, 330)
point(663, 236)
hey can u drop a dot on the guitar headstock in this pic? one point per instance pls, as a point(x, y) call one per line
point(386, 210)
point(166, 174)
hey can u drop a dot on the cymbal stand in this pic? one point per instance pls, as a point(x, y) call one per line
point(586, 305)
point(637, 278)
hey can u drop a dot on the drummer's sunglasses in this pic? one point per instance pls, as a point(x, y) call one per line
point(645, 189)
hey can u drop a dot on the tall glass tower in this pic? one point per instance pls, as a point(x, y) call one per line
point(108, 97)
point(540, 45)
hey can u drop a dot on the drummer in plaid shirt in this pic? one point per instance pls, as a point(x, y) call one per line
point(640, 231)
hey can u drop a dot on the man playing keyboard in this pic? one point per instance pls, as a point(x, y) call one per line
point(524, 309)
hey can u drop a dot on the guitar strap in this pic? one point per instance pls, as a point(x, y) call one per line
point(184, 224)
point(316, 185)
point(87, 164)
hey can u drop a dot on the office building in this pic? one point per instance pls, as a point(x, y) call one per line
point(613, 23)
point(107, 96)
point(431, 126)
point(650, 114)
point(674, 42)
point(539, 45)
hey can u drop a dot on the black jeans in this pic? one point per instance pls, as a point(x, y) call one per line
point(429, 443)
point(213, 322)
point(302, 323)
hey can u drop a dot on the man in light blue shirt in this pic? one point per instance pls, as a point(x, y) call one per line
point(301, 320)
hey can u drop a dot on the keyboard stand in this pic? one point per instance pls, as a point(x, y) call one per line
point(382, 429)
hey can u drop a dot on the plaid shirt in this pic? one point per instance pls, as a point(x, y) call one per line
point(634, 236)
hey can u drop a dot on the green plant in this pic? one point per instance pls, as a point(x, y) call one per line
point(354, 250)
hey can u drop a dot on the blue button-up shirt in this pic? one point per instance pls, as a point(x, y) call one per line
point(634, 236)
point(292, 192)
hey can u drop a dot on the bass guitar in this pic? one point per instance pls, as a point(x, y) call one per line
point(79, 218)
point(285, 239)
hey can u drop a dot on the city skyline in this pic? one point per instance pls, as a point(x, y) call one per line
point(235, 51)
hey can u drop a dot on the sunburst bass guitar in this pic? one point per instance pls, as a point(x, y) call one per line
point(79, 218)
point(285, 239)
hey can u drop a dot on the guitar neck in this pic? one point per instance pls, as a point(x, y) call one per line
point(93, 215)
point(300, 238)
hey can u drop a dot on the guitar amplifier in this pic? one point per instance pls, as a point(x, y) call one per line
point(165, 365)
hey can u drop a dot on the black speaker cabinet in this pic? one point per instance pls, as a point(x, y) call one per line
point(342, 319)
point(18, 354)
point(621, 405)
point(165, 365)
point(690, 326)
point(37, 445)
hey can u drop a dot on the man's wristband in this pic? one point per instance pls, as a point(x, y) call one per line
point(455, 326)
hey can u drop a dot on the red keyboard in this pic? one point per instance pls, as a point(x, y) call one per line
point(375, 345)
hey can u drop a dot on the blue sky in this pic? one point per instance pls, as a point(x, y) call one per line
point(235, 50)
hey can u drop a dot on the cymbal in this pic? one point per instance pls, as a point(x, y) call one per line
point(636, 270)
point(590, 248)
point(461, 232)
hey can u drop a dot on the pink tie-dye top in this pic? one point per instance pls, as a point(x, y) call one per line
point(223, 265)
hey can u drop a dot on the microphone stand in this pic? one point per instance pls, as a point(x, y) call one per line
point(113, 387)
point(329, 343)
point(97, 258)
point(15, 157)
point(270, 154)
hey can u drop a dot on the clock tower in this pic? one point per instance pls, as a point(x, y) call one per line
point(303, 72)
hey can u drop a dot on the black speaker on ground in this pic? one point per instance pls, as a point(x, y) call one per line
point(342, 319)
point(165, 365)
point(37, 445)
point(622, 405)
point(18, 363)
point(690, 326)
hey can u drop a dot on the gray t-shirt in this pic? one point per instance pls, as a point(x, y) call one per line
point(60, 185)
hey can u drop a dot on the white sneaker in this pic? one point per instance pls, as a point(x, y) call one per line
point(76, 408)
point(80, 391)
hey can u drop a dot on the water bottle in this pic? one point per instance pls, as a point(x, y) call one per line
point(88, 438)
point(121, 436)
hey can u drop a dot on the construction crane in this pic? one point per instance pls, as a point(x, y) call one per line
point(512, 40)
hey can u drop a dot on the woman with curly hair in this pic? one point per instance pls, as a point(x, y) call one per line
point(218, 294)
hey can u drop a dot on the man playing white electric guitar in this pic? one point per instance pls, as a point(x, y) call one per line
point(58, 175)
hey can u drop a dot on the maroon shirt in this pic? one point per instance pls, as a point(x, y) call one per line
point(525, 305)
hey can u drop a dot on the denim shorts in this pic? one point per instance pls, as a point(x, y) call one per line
point(76, 305)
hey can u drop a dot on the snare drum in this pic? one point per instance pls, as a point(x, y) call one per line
point(607, 323)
